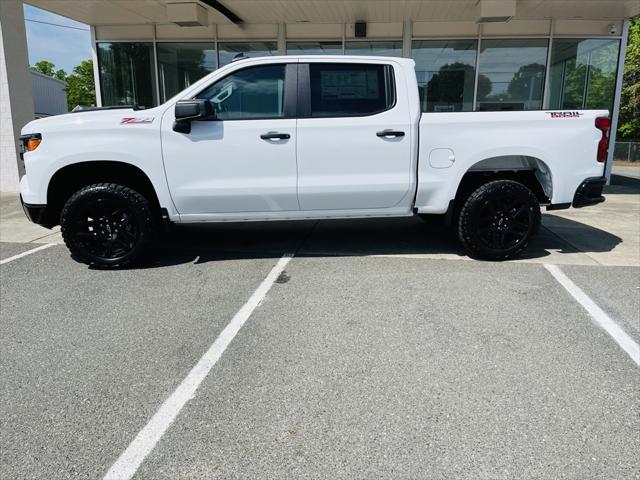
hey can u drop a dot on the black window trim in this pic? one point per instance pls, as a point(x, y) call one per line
point(290, 93)
point(304, 90)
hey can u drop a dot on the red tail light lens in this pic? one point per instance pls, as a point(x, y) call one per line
point(603, 124)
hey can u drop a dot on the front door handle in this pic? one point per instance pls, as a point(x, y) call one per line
point(275, 136)
point(390, 133)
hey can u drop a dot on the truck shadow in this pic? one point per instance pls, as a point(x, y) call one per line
point(621, 184)
point(391, 236)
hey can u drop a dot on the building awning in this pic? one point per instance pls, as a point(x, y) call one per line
point(136, 12)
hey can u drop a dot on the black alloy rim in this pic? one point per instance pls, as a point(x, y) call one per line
point(106, 229)
point(504, 222)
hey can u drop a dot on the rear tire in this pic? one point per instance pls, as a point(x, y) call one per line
point(107, 225)
point(498, 219)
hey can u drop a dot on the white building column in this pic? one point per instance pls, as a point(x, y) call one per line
point(16, 96)
point(282, 39)
point(96, 70)
point(616, 100)
point(407, 34)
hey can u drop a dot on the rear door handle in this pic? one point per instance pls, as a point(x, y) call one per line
point(390, 133)
point(275, 136)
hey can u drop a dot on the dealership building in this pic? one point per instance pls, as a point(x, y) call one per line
point(471, 55)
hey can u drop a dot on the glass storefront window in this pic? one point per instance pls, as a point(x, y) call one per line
point(126, 74)
point(446, 71)
point(511, 71)
point(314, 48)
point(378, 48)
point(583, 73)
point(181, 64)
point(511, 75)
point(228, 50)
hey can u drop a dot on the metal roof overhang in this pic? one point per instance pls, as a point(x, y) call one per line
point(137, 12)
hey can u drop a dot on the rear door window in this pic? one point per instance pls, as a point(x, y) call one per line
point(344, 90)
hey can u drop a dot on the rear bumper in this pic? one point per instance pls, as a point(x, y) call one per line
point(36, 214)
point(589, 192)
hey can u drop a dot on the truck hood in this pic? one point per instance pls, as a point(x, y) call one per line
point(98, 118)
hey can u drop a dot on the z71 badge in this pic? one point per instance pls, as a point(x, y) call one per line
point(565, 114)
point(130, 120)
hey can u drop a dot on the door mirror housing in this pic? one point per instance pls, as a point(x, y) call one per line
point(196, 109)
point(187, 111)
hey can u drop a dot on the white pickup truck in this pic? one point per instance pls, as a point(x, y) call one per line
point(310, 137)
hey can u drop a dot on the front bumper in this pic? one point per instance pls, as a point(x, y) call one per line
point(589, 192)
point(37, 214)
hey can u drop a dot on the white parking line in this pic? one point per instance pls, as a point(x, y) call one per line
point(28, 252)
point(599, 315)
point(128, 463)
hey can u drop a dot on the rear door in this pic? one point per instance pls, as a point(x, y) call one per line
point(353, 137)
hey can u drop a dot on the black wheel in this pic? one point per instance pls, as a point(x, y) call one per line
point(107, 225)
point(498, 219)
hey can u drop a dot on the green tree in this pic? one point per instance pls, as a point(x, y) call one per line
point(49, 69)
point(80, 86)
point(600, 85)
point(454, 84)
point(526, 84)
point(629, 122)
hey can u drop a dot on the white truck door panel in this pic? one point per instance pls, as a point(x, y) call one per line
point(345, 162)
point(235, 163)
point(224, 166)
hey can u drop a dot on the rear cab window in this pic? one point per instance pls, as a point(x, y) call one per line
point(349, 89)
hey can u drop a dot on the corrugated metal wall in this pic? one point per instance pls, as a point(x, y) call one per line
point(49, 96)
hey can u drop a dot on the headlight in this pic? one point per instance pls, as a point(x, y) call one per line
point(29, 142)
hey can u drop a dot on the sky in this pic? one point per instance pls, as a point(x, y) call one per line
point(65, 47)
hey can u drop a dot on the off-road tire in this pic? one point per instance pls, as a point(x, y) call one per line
point(87, 227)
point(498, 219)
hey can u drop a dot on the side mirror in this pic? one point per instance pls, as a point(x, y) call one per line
point(187, 111)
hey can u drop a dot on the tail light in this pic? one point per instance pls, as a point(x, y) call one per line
point(603, 124)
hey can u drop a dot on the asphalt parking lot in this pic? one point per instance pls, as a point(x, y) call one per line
point(377, 351)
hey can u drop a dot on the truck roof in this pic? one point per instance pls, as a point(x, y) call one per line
point(353, 58)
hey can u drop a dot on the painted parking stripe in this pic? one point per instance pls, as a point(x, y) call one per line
point(128, 463)
point(28, 252)
point(599, 315)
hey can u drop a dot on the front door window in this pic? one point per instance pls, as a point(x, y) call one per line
point(256, 92)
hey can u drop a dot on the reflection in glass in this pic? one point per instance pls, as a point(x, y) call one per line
point(314, 48)
point(583, 73)
point(445, 70)
point(515, 71)
point(227, 51)
point(382, 48)
point(126, 74)
point(181, 64)
point(339, 90)
point(254, 92)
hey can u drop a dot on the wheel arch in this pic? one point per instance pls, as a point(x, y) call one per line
point(528, 170)
point(70, 178)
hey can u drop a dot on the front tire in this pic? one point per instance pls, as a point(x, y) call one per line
point(107, 225)
point(498, 220)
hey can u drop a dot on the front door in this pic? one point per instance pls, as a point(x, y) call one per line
point(353, 137)
point(245, 160)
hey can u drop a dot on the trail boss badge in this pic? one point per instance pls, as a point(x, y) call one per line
point(130, 120)
point(565, 114)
